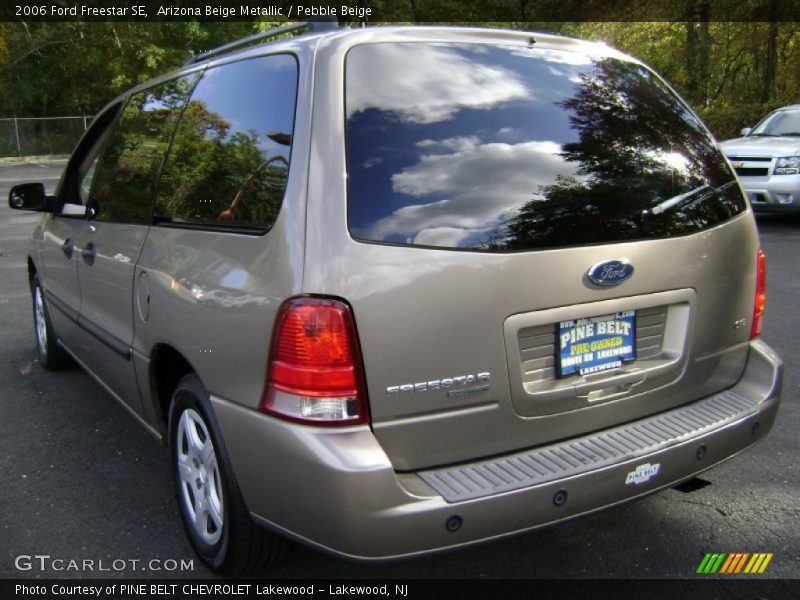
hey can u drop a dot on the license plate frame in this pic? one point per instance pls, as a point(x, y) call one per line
point(595, 344)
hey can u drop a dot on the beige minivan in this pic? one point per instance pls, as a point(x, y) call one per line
point(394, 290)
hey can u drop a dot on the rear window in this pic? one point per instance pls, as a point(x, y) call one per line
point(501, 148)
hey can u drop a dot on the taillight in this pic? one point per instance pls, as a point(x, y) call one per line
point(315, 371)
point(761, 295)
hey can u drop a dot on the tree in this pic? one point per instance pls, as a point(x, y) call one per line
point(638, 147)
point(49, 69)
point(731, 71)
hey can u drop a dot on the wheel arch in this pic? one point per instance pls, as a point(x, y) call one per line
point(167, 367)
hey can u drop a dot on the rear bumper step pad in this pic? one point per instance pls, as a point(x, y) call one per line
point(594, 451)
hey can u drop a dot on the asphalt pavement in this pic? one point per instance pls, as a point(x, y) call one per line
point(82, 481)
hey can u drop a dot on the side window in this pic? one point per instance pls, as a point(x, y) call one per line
point(88, 177)
point(82, 166)
point(124, 184)
point(229, 161)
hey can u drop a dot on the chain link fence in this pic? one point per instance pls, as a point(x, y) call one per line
point(36, 136)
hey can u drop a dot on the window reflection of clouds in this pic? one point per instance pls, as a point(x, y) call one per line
point(442, 82)
point(554, 56)
point(480, 181)
point(460, 143)
point(436, 159)
point(442, 236)
point(567, 65)
point(372, 162)
point(568, 74)
point(492, 167)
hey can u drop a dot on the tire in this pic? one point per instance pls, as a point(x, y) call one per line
point(213, 512)
point(52, 356)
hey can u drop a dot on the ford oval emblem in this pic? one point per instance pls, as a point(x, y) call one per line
point(610, 272)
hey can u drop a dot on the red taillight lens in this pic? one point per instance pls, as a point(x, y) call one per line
point(314, 373)
point(761, 295)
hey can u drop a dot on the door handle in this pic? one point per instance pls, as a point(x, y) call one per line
point(88, 253)
point(68, 247)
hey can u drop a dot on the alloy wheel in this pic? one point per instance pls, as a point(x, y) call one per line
point(200, 483)
point(41, 322)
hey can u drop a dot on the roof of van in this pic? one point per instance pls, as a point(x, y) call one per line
point(346, 37)
point(352, 35)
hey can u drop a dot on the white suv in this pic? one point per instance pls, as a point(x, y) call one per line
point(767, 161)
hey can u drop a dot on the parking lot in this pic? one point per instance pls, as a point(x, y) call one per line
point(84, 481)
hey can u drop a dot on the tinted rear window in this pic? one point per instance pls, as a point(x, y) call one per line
point(501, 148)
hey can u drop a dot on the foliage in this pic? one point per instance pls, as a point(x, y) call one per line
point(733, 90)
point(731, 72)
point(69, 68)
point(210, 168)
point(630, 132)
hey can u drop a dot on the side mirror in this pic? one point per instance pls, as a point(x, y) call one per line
point(745, 131)
point(29, 196)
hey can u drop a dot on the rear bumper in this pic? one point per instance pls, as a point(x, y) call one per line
point(336, 489)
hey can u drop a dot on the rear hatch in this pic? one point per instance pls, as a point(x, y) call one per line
point(544, 241)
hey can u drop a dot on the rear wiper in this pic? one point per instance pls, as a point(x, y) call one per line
point(698, 194)
point(790, 133)
point(679, 199)
point(762, 135)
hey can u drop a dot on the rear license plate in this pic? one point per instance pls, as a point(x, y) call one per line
point(596, 344)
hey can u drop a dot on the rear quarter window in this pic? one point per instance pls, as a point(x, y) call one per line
point(510, 148)
point(229, 161)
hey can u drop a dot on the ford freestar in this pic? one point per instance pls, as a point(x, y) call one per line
point(395, 290)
